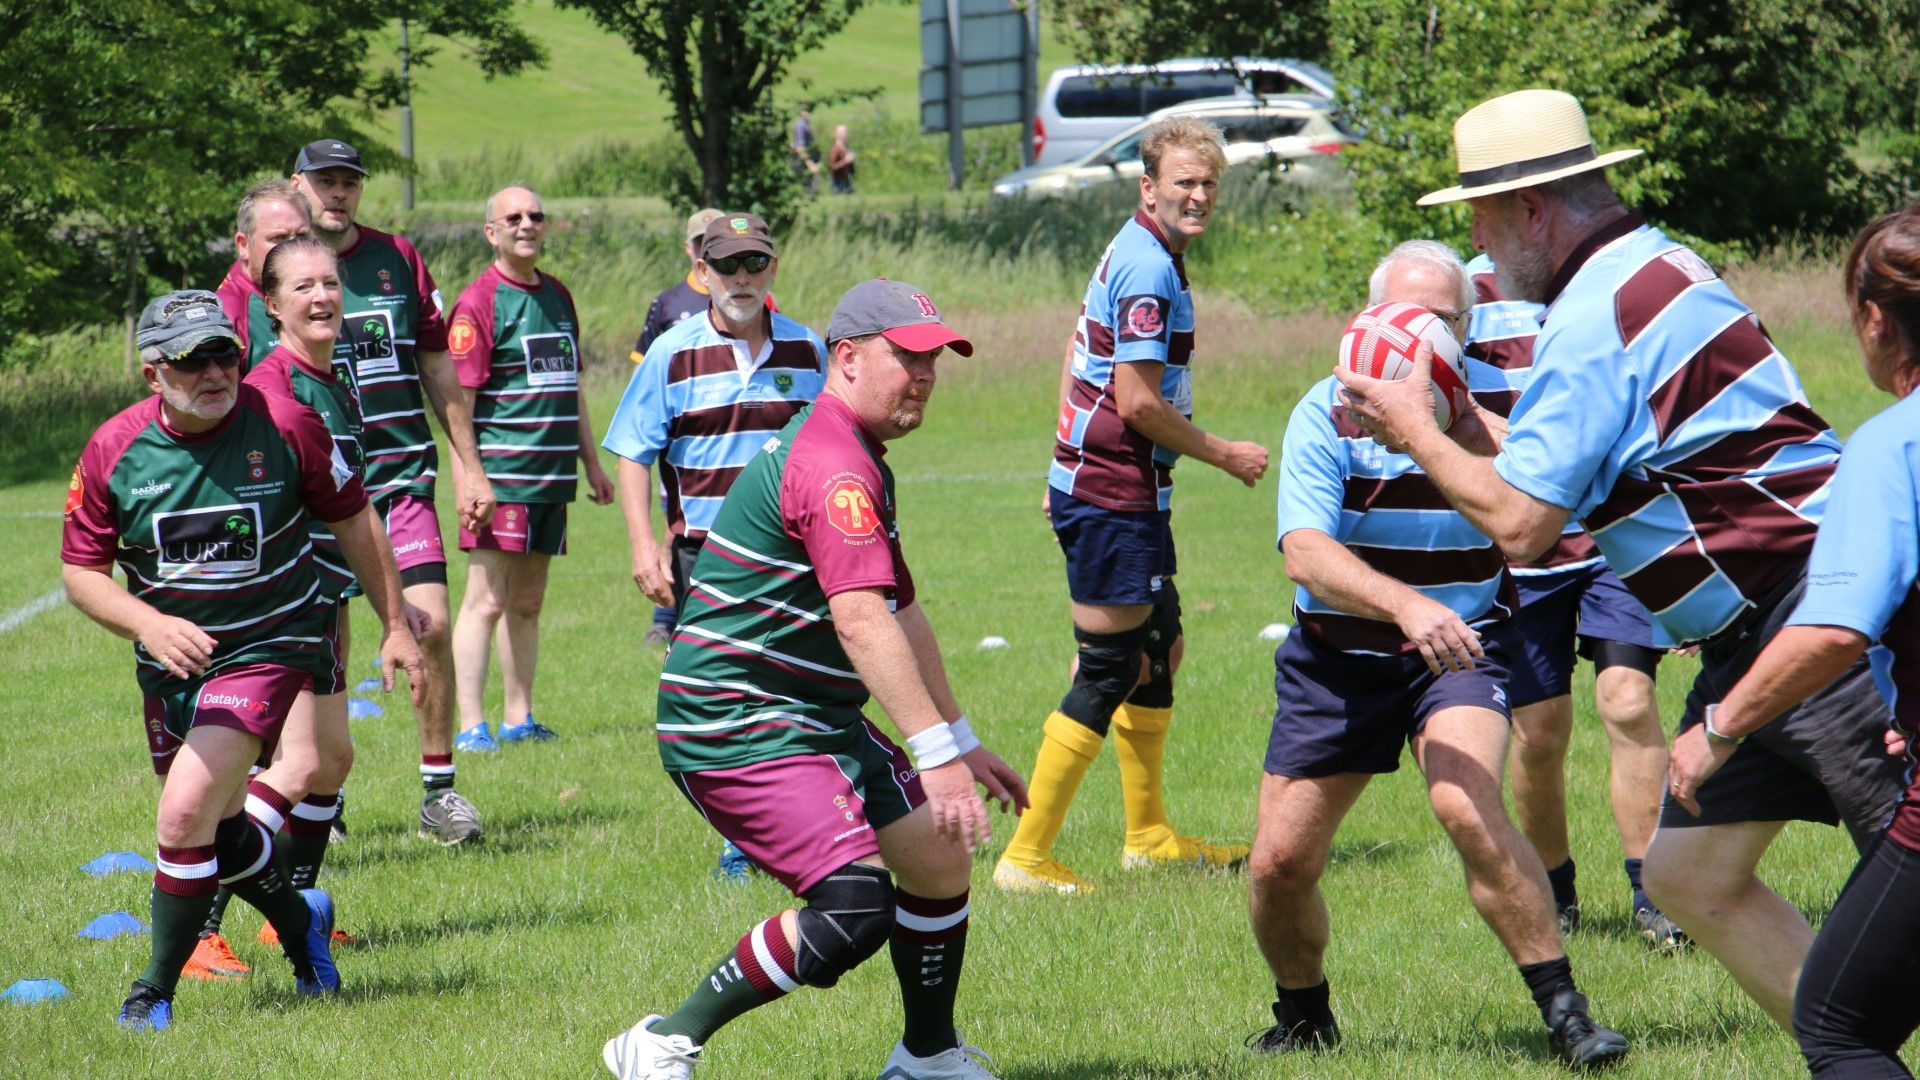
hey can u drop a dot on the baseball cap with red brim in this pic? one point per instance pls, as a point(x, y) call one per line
point(902, 312)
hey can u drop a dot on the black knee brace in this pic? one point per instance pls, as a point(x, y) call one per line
point(847, 918)
point(1163, 630)
point(1606, 654)
point(1109, 669)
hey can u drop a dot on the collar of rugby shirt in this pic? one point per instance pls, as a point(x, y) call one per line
point(1584, 250)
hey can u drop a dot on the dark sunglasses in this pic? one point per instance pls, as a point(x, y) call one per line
point(538, 217)
point(731, 264)
point(225, 353)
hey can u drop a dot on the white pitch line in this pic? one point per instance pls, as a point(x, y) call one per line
point(34, 514)
point(20, 615)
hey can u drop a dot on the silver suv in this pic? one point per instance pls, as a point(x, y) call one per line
point(1301, 133)
point(1084, 106)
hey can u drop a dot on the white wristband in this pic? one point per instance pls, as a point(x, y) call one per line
point(933, 747)
point(963, 736)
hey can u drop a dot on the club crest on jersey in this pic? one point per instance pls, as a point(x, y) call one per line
point(1143, 318)
point(386, 281)
point(846, 811)
point(850, 509)
point(256, 465)
point(463, 335)
point(783, 382)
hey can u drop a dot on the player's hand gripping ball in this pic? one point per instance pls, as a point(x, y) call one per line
point(1380, 343)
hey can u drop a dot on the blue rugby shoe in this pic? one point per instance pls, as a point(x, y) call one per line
point(318, 975)
point(531, 731)
point(146, 1010)
point(478, 740)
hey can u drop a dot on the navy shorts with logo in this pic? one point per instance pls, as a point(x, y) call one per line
point(1592, 603)
point(1340, 712)
point(1114, 557)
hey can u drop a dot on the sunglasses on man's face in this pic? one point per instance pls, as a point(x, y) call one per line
point(512, 221)
point(731, 264)
point(224, 353)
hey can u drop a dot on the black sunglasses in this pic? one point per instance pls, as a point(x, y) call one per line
point(730, 264)
point(513, 220)
point(224, 353)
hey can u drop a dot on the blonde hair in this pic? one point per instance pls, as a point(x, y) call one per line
point(1189, 133)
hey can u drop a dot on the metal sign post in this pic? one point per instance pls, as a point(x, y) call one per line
point(979, 60)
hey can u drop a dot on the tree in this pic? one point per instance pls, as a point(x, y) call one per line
point(718, 64)
point(1149, 31)
point(129, 127)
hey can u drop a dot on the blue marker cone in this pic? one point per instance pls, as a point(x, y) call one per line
point(34, 991)
point(361, 709)
point(114, 862)
point(112, 925)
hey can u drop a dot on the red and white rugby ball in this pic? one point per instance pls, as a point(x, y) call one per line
point(1380, 343)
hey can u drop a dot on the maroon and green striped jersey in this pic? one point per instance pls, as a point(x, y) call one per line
point(391, 312)
point(332, 395)
point(212, 528)
point(756, 671)
point(247, 310)
point(518, 348)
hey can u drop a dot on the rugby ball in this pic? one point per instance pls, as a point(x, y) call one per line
point(1380, 343)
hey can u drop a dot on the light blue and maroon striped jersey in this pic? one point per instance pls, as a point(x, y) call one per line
point(703, 408)
point(517, 347)
point(1663, 416)
point(1335, 479)
point(1500, 337)
point(757, 670)
point(1138, 308)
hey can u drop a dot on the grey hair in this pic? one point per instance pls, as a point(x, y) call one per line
point(152, 355)
point(277, 190)
point(1430, 252)
point(510, 187)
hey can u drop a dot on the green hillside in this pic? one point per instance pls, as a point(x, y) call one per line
point(594, 89)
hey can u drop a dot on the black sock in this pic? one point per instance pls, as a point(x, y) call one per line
point(1312, 1004)
point(256, 878)
point(219, 912)
point(1561, 878)
point(1547, 978)
point(926, 959)
point(1640, 901)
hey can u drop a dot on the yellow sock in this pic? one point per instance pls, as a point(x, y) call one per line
point(1139, 740)
point(1065, 753)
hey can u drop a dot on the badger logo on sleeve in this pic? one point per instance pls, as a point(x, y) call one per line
point(1142, 318)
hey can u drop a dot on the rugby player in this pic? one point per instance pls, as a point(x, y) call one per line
point(270, 212)
point(1125, 416)
point(1661, 416)
point(1857, 1002)
point(685, 299)
point(695, 402)
point(203, 494)
point(801, 606)
point(1569, 594)
point(515, 340)
point(1404, 614)
point(393, 324)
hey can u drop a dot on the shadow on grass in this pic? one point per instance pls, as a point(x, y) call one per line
point(390, 844)
point(526, 914)
point(1373, 852)
point(356, 988)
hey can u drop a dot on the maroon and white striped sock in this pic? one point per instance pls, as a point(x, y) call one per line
point(767, 961)
point(928, 944)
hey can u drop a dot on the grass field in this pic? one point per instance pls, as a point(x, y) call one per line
point(590, 903)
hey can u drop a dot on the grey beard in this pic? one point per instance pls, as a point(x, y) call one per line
point(1526, 277)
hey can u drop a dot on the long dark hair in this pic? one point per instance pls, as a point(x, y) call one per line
point(287, 249)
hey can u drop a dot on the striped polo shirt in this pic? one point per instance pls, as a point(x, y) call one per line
point(1137, 308)
point(212, 527)
point(702, 407)
point(1500, 338)
point(1661, 414)
point(757, 670)
point(1335, 479)
point(517, 347)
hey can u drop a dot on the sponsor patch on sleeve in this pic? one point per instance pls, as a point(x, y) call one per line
point(850, 508)
point(463, 336)
point(76, 489)
point(1142, 318)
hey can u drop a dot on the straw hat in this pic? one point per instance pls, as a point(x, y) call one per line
point(1518, 140)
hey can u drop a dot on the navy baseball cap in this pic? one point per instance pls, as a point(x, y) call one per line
point(898, 310)
point(328, 154)
point(180, 322)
